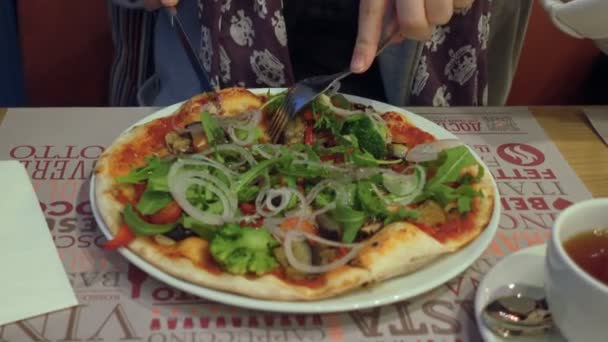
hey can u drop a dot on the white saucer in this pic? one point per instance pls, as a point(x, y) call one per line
point(523, 267)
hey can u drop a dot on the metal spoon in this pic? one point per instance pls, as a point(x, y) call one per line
point(523, 312)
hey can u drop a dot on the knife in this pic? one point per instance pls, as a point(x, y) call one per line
point(189, 49)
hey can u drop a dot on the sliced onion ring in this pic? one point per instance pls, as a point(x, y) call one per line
point(430, 151)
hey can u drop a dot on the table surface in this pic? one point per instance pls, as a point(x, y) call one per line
point(580, 145)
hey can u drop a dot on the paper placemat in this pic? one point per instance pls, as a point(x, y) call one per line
point(123, 303)
point(598, 116)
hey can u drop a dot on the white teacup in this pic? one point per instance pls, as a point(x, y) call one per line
point(577, 301)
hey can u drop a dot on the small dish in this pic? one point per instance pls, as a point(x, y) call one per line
point(524, 267)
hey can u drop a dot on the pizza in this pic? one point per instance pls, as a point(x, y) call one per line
point(351, 197)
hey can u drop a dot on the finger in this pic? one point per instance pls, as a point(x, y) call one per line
point(412, 20)
point(169, 3)
point(463, 3)
point(439, 12)
point(156, 4)
point(371, 15)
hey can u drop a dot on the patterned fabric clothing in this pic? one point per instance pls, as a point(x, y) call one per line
point(452, 69)
point(244, 42)
point(132, 64)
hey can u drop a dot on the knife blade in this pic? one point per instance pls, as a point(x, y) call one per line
point(189, 49)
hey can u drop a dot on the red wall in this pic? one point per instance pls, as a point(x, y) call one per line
point(67, 50)
point(554, 67)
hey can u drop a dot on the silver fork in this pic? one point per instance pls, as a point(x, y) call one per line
point(305, 91)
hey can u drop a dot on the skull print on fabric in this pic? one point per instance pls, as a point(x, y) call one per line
point(451, 70)
point(236, 47)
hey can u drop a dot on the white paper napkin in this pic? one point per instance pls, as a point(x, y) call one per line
point(32, 278)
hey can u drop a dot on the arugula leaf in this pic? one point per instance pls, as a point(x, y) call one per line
point(152, 201)
point(452, 160)
point(248, 194)
point(325, 119)
point(248, 177)
point(364, 158)
point(350, 221)
point(213, 131)
point(402, 214)
point(449, 167)
point(369, 199)
point(142, 173)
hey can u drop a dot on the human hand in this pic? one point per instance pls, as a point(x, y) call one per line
point(156, 4)
point(413, 19)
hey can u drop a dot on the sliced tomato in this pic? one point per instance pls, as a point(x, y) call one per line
point(122, 238)
point(247, 208)
point(307, 115)
point(139, 190)
point(169, 214)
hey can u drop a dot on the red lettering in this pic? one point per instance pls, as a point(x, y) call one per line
point(171, 323)
point(500, 174)
point(204, 322)
point(237, 322)
point(155, 324)
point(22, 152)
point(66, 208)
point(253, 322)
point(84, 208)
point(220, 322)
point(533, 173)
point(40, 169)
point(519, 203)
point(59, 244)
point(59, 166)
point(188, 324)
point(97, 150)
point(548, 174)
point(269, 321)
point(285, 321)
point(78, 172)
point(538, 203)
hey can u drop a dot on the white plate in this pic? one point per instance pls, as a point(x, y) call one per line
point(523, 267)
point(387, 292)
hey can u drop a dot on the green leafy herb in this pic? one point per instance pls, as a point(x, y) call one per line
point(213, 131)
point(402, 214)
point(369, 199)
point(350, 221)
point(142, 173)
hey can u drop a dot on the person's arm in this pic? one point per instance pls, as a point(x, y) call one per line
point(584, 19)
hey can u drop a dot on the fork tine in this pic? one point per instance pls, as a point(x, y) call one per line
point(280, 118)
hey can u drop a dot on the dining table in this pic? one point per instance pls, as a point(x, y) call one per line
point(543, 159)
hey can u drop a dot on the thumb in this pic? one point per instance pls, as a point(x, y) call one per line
point(371, 15)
